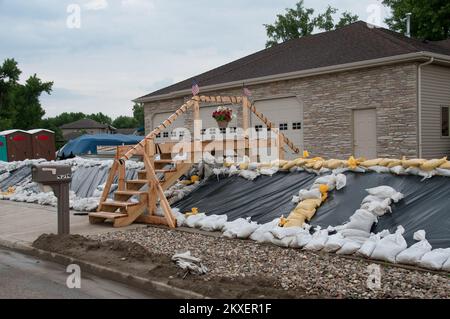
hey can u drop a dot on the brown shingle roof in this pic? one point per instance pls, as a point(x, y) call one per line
point(84, 124)
point(353, 43)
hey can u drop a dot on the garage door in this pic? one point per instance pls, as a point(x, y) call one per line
point(173, 132)
point(209, 124)
point(287, 115)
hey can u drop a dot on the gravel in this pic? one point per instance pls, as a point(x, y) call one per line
point(317, 274)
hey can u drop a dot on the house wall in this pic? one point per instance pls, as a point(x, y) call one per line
point(88, 131)
point(435, 94)
point(328, 102)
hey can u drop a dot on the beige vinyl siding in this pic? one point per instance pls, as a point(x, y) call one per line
point(435, 94)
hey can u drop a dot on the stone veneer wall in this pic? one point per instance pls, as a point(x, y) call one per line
point(329, 101)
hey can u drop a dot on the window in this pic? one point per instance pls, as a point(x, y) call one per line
point(223, 130)
point(284, 127)
point(445, 117)
point(181, 134)
point(158, 135)
point(166, 134)
point(258, 128)
point(297, 126)
point(173, 134)
point(233, 130)
point(203, 131)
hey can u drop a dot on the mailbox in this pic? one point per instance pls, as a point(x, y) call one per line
point(58, 177)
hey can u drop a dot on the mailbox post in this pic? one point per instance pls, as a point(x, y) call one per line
point(58, 177)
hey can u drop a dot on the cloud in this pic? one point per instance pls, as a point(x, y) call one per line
point(95, 5)
point(138, 4)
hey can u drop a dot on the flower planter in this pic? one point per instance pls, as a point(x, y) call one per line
point(222, 124)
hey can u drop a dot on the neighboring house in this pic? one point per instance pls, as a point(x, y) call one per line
point(359, 90)
point(127, 131)
point(85, 126)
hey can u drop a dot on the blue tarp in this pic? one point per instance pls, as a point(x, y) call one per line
point(87, 144)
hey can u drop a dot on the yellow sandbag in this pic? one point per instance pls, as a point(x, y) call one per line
point(294, 223)
point(352, 162)
point(416, 162)
point(264, 165)
point(394, 163)
point(309, 204)
point(228, 164)
point(385, 162)
point(289, 165)
point(195, 178)
point(300, 162)
point(446, 165)
point(279, 163)
point(324, 197)
point(309, 214)
point(361, 159)
point(433, 164)
point(334, 164)
point(318, 165)
point(370, 163)
point(243, 166)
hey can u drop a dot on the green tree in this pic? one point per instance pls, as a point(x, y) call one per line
point(430, 19)
point(19, 103)
point(101, 118)
point(125, 122)
point(138, 114)
point(300, 22)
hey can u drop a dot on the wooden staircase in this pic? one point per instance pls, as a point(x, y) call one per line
point(135, 200)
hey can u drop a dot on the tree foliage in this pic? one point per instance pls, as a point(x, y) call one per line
point(430, 19)
point(138, 114)
point(125, 122)
point(300, 21)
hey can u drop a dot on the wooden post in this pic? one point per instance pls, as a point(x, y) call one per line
point(149, 165)
point(197, 132)
point(109, 181)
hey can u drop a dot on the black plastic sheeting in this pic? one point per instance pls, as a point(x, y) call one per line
point(426, 204)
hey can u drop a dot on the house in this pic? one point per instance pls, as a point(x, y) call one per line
point(85, 126)
point(359, 90)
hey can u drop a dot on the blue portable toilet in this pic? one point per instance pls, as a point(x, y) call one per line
point(3, 149)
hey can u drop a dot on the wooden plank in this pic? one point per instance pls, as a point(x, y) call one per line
point(107, 215)
point(109, 181)
point(122, 172)
point(152, 220)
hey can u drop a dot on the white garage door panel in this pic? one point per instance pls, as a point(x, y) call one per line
point(161, 117)
point(285, 111)
point(210, 124)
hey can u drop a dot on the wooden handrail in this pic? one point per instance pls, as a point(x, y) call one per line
point(270, 126)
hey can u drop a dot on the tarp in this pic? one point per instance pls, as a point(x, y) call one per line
point(426, 204)
point(87, 144)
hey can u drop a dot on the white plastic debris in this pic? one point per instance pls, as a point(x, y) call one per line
point(435, 259)
point(341, 181)
point(389, 247)
point(188, 262)
point(413, 254)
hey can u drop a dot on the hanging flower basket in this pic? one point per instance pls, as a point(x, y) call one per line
point(223, 115)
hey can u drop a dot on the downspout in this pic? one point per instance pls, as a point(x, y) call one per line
point(419, 102)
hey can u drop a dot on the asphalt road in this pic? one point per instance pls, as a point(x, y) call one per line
point(26, 277)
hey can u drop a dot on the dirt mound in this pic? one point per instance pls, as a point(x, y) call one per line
point(75, 243)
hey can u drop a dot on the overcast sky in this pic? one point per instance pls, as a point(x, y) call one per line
point(124, 49)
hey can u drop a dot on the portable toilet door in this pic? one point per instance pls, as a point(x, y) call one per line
point(18, 145)
point(43, 142)
point(3, 149)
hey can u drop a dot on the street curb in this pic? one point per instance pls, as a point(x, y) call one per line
point(102, 271)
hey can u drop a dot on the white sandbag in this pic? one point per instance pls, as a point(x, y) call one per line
point(181, 219)
point(262, 234)
point(341, 181)
point(398, 170)
point(309, 194)
point(349, 247)
point(435, 259)
point(248, 174)
point(369, 245)
point(389, 247)
point(379, 169)
point(295, 199)
point(413, 254)
point(371, 198)
point(281, 232)
point(192, 220)
point(213, 223)
point(286, 242)
point(324, 170)
point(329, 180)
point(318, 240)
point(378, 208)
point(334, 243)
point(303, 239)
point(354, 233)
point(233, 171)
point(240, 228)
point(446, 265)
point(443, 172)
point(361, 220)
point(269, 171)
point(385, 192)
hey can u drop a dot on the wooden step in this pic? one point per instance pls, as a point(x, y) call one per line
point(137, 181)
point(130, 193)
point(165, 161)
point(160, 171)
point(119, 204)
point(107, 215)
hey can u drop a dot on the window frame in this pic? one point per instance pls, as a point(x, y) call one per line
point(442, 121)
point(297, 126)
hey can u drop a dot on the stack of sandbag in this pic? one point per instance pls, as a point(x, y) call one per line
point(390, 247)
point(414, 254)
point(239, 228)
point(437, 259)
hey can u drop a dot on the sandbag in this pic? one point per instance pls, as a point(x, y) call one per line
point(369, 163)
point(309, 204)
point(249, 175)
point(318, 240)
point(298, 213)
point(318, 165)
point(394, 163)
point(309, 194)
point(193, 220)
point(349, 247)
point(262, 234)
point(361, 220)
point(380, 169)
point(433, 164)
point(289, 165)
point(389, 247)
point(334, 243)
point(446, 165)
point(369, 245)
point(385, 192)
point(295, 222)
point(378, 208)
point(341, 181)
point(446, 265)
point(334, 164)
point(443, 172)
point(371, 198)
point(386, 161)
point(416, 162)
point(281, 232)
point(213, 223)
point(398, 170)
point(435, 259)
point(413, 254)
point(300, 162)
point(354, 233)
point(240, 228)
point(303, 239)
